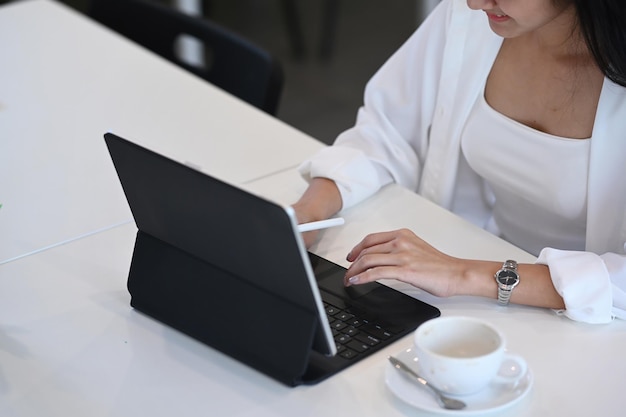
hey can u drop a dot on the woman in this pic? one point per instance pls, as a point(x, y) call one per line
point(508, 113)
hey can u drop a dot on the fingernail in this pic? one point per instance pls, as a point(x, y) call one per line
point(354, 279)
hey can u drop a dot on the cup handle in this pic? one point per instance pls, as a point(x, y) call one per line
point(512, 370)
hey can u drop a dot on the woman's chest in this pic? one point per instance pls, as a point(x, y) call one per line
point(558, 97)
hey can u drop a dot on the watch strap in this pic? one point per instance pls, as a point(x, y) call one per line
point(504, 293)
point(504, 296)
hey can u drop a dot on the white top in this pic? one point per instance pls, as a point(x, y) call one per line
point(409, 132)
point(538, 180)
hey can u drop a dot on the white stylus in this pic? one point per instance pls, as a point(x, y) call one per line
point(322, 224)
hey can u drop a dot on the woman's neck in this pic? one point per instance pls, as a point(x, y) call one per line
point(560, 38)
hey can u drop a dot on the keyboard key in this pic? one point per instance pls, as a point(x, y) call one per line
point(344, 316)
point(355, 322)
point(350, 331)
point(348, 354)
point(367, 339)
point(331, 310)
point(338, 325)
point(376, 331)
point(357, 346)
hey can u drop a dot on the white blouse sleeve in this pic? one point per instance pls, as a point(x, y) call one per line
point(593, 286)
point(389, 140)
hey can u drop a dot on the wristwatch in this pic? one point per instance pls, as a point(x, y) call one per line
point(507, 279)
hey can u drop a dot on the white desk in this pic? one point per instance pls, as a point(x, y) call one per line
point(64, 82)
point(70, 345)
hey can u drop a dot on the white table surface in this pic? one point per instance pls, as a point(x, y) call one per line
point(70, 344)
point(64, 82)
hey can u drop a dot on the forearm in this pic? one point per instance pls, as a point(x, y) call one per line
point(535, 287)
point(320, 201)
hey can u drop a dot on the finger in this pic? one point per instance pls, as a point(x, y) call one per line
point(369, 241)
point(371, 261)
point(374, 256)
point(374, 274)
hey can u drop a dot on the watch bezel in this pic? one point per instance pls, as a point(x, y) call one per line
point(508, 271)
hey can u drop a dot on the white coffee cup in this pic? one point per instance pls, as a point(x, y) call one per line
point(462, 355)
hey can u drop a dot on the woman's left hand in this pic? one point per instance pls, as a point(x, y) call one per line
point(402, 255)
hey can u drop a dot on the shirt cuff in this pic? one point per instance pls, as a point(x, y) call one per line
point(583, 281)
point(355, 175)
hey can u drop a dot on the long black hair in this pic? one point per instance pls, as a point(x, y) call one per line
point(603, 25)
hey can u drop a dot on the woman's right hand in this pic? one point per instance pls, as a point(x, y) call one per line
point(320, 201)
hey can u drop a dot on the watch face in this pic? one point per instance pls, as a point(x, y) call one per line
point(506, 277)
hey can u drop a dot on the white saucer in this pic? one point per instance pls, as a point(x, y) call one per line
point(493, 398)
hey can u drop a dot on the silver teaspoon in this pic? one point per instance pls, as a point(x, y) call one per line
point(442, 399)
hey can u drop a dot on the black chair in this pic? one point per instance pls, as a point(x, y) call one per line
point(232, 63)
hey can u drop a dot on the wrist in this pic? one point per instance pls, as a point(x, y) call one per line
point(320, 201)
point(476, 279)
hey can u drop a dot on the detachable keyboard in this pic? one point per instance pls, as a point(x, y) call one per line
point(355, 334)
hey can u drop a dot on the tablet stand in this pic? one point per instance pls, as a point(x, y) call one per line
point(260, 329)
